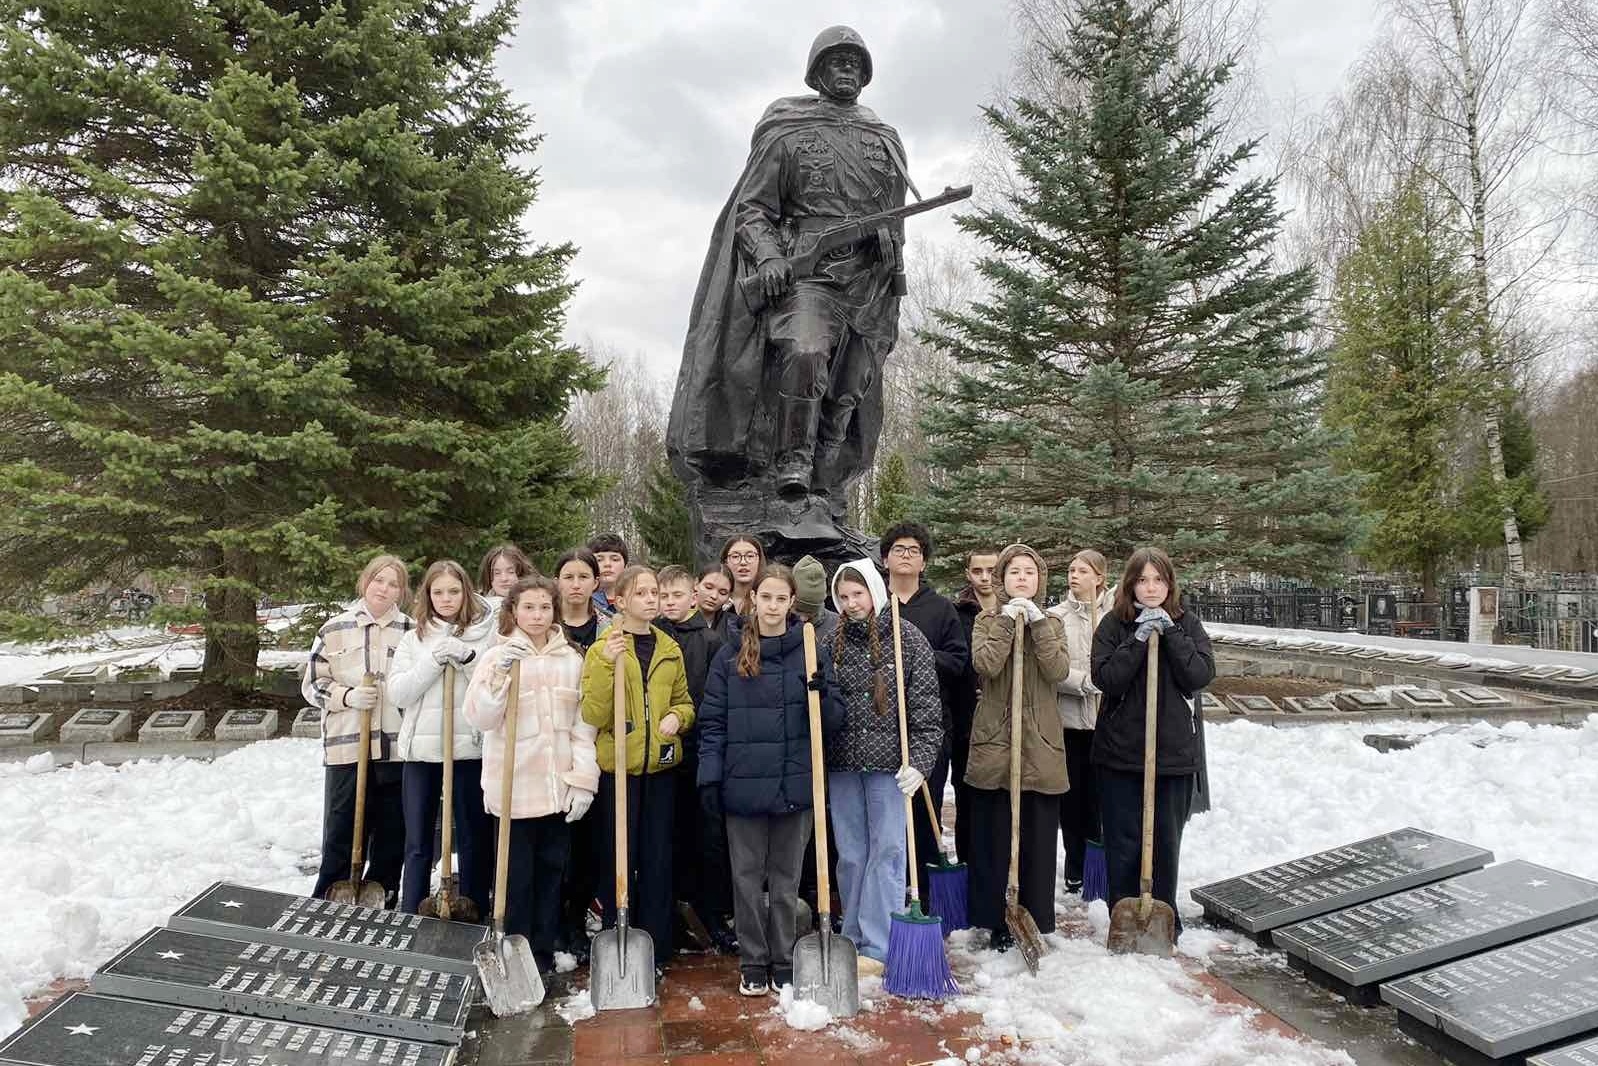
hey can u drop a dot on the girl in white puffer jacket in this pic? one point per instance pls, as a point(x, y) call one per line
point(454, 628)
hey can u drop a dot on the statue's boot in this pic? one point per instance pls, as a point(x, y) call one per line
point(796, 444)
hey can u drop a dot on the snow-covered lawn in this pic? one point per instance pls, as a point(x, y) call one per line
point(92, 856)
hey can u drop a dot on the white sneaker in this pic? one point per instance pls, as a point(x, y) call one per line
point(866, 966)
point(752, 987)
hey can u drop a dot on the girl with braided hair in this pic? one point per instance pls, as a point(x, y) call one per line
point(866, 779)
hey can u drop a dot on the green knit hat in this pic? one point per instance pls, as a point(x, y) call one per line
point(810, 577)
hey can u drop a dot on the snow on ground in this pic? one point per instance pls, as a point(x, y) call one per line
point(91, 856)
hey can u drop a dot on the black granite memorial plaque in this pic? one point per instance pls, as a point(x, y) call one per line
point(1582, 1053)
point(1360, 946)
point(17, 721)
point(230, 910)
point(169, 720)
point(86, 1029)
point(1330, 880)
point(95, 717)
point(299, 985)
point(1534, 994)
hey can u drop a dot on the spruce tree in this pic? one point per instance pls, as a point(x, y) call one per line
point(1402, 380)
point(1136, 373)
point(662, 518)
point(266, 302)
point(892, 494)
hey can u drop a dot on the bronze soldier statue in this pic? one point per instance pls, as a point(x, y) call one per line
point(779, 397)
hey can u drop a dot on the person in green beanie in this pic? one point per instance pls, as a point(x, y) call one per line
point(811, 603)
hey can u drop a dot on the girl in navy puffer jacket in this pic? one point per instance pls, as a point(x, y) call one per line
point(754, 767)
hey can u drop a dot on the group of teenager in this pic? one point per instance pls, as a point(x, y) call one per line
point(716, 745)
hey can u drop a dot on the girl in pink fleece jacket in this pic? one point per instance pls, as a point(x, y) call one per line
point(556, 772)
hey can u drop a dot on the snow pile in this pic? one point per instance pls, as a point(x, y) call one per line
point(802, 1013)
point(96, 855)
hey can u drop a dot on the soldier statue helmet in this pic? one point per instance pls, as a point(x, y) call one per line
point(836, 37)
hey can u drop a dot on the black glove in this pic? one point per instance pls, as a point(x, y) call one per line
point(817, 682)
point(710, 800)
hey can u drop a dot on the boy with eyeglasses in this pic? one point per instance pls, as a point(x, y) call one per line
point(906, 549)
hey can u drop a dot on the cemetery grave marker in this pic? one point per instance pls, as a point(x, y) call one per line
point(98, 725)
point(299, 985)
point(1582, 1053)
point(1428, 698)
point(22, 728)
point(16, 695)
point(1546, 672)
point(241, 913)
point(1479, 697)
point(308, 723)
point(1214, 706)
point(172, 725)
point(86, 1029)
point(247, 724)
point(1528, 995)
point(1370, 653)
point(1342, 649)
point(1310, 704)
point(1355, 949)
point(1255, 705)
point(1289, 892)
point(1363, 701)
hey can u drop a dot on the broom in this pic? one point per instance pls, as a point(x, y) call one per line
point(917, 967)
point(947, 894)
point(1095, 875)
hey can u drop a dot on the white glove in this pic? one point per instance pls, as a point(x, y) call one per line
point(457, 650)
point(361, 699)
point(1034, 613)
point(908, 779)
point(578, 805)
point(1014, 610)
point(513, 650)
point(1090, 689)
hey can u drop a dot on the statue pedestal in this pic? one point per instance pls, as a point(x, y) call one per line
point(789, 528)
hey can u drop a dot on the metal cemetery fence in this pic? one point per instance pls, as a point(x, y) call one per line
point(1558, 611)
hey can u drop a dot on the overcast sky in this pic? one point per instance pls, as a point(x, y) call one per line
point(646, 110)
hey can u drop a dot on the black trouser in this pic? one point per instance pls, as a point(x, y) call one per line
point(532, 886)
point(422, 795)
point(580, 885)
point(807, 870)
point(1121, 810)
point(706, 882)
point(990, 859)
point(1079, 808)
point(959, 751)
point(927, 843)
point(384, 849)
point(651, 806)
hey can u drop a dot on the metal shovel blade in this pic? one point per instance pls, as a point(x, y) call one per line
point(825, 971)
point(358, 894)
point(1028, 940)
point(448, 905)
point(1142, 926)
point(509, 975)
point(621, 969)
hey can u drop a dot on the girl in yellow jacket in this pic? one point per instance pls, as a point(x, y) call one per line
point(658, 712)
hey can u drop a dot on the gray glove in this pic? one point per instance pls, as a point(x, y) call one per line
point(513, 650)
point(1033, 612)
point(1015, 611)
point(454, 650)
point(361, 698)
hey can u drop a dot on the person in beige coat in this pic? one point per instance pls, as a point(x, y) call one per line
point(1086, 601)
point(555, 766)
point(1045, 662)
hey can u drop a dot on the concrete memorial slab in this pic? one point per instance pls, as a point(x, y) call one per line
point(1255, 705)
point(1355, 949)
point(98, 725)
point(248, 724)
point(185, 673)
point(1363, 701)
point(62, 692)
point(1547, 672)
point(298, 985)
point(22, 728)
point(17, 695)
point(229, 910)
point(1214, 706)
point(1581, 1053)
point(86, 673)
point(308, 723)
point(172, 725)
point(1370, 653)
point(1342, 649)
point(1423, 698)
point(1532, 995)
point(1309, 704)
point(1479, 697)
point(86, 1029)
point(1289, 892)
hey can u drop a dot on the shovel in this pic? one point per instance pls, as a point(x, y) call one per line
point(824, 965)
point(448, 903)
point(1146, 925)
point(621, 964)
point(1016, 917)
point(356, 891)
point(505, 965)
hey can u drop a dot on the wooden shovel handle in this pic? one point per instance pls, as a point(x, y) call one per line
point(1017, 698)
point(1151, 715)
point(358, 845)
point(619, 748)
point(507, 778)
point(932, 813)
point(818, 784)
point(448, 727)
point(904, 743)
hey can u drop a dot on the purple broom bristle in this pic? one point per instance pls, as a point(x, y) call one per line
point(917, 966)
point(947, 896)
point(1095, 877)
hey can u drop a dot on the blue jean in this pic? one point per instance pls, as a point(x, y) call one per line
point(868, 820)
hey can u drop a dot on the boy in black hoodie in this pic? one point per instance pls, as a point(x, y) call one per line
point(705, 889)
